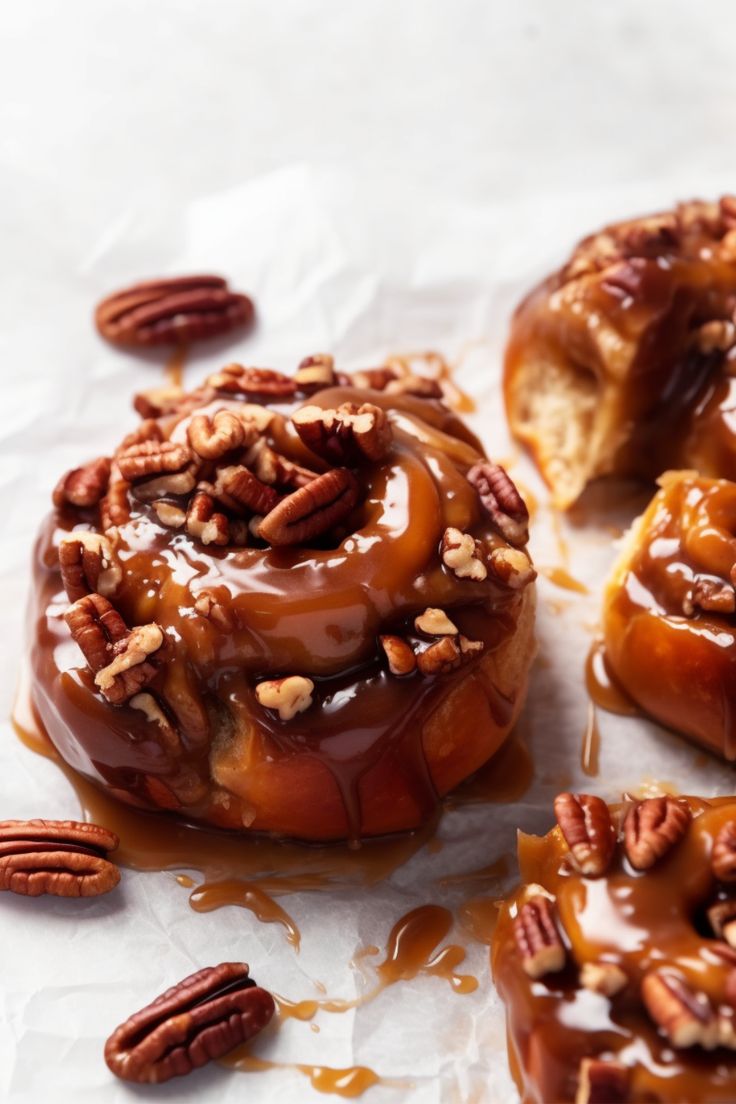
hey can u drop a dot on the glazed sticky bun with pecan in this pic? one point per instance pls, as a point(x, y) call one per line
point(622, 362)
point(616, 958)
point(298, 605)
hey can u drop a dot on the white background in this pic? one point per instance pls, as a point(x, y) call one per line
point(380, 175)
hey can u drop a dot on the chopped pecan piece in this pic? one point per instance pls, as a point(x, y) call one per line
point(209, 605)
point(312, 510)
point(87, 565)
point(652, 827)
point(273, 468)
point(684, 1015)
point(373, 379)
point(204, 523)
point(153, 712)
point(212, 437)
point(172, 311)
point(503, 503)
point(148, 430)
point(711, 595)
point(723, 856)
point(602, 1082)
point(717, 336)
point(461, 553)
point(195, 1022)
point(722, 919)
point(401, 658)
point(418, 386)
point(435, 622)
point(266, 383)
point(315, 373)
point(65, 858)
point(242, 492)
point(288, 696)
point(586, 824)
point(157, 401)
point(446, 654)
point(85, 486)
point(169, 514)
point(603, 977)
point(118, 657)
point(346, 435)
point(512, 567)
point(542, 951)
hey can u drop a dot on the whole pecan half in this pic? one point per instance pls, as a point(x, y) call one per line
point(347, 435)
point(120, 658)
point(503, 503)
point(315, 373)
point(151, 458)
point(586, 824)
point(65, 858)
point(652, 827)
point(537, 938)
point(87, 565)
point(277, 470)
point(684, 1015)
point(265, 383)
point(172, 311)
point(723, 856)
point(602, 1082)
point(115, 506)
point(241, 491)
point(205, 523)
point(195, 1022)
point(85, 486)
point(312, 510)
point(212, 437)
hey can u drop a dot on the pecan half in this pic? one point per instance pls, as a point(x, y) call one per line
point(503, 503)
point(542, 951)
point(348, 434)
point(602, 1082)
point(315, 373)
point(684, 1015)
point(435, 622)
point(461, 553)
point(722, 919)
point(266, 383)
point(511, 567)
point(169, 514)
point(204, 523)
point(158, 400)
point(118, 657)
point(652, 827)
point(199, 1020)
point(243, 492)
point(716, 336)
point(288, 696)
point(446, 654)
point(418, 386)
point(586, 824)
point(710, 595)
point(373, 379)
point(172, 311)
point(85, 486)
point(87, 564)
point(115, 506)
point(723, 856)
point(152, 458)
point(401, 658)
point(212, 437)
point(273, 468)
point(65, 858)
point(312, 510)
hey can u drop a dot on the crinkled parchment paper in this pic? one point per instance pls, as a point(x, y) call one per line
point(332, 266)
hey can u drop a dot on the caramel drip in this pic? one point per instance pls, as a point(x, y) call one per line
point(433, 365)
point(174, 370)
point(214, 895)
point(603, 689)
point(590, 750)
point(350, 1082)
point(561, 577)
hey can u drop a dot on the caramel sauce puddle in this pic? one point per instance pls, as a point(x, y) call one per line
point(350, 1082)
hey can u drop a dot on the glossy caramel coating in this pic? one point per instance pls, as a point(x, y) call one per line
point(373, 751)
point(638, 922)
point(621, 361)
point(670, 639)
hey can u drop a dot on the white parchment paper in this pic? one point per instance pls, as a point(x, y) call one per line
point(361, 273)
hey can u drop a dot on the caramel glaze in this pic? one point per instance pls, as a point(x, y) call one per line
point(314, 612)
point(677, 663)
point(636, 921)
point(350, 1082)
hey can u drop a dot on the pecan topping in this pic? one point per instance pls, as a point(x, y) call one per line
point(242, 492)
point(267, 383)
point(503, 503)
point(685, 1016)
point(315, 373)
point(586, 824)
point(602, 1082)
point(209, 605)
point(212, 437)
point(312, 510)
point(346, 435)
point(199, 1020)
point(288, 696)
point(62, 857)
point(723, 856)
point(152, 458)
point(716, 336)
point(153, 712)
point(118, 657)
point(446, 654)
point(204, 523)
point(419, 386)
point(542, 951)
point(603, 977)
point(373, 379)
point(83, 486)
point(461, 553)
point(170, 515)
point(87, 565)
point(712, 595)
point(172, 311)
point(273, 468)
point(722, 919)
point(115, 506)
point(157, 401)
point(512, 567)
point(401, 658)
point(652, 827)
point(435, 622)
